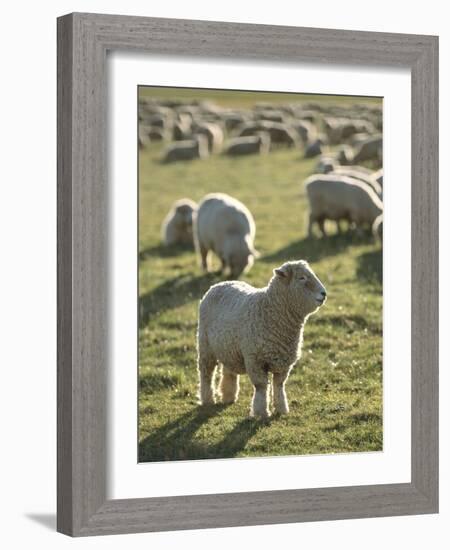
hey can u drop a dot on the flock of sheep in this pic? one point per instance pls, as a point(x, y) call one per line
point(245, 329)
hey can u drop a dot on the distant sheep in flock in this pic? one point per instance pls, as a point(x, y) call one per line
point(189, 149)
point(313, 149)
point(177, 226)
point(306, 131)
point(336, 197)
point(248, 145)
point(370, 149)
point(369, 179)
point(256, 331)
point(214, 135)
point(280, 134)
point(345, 155)
point(326, 164)
point(182, 129)
point(225, 226)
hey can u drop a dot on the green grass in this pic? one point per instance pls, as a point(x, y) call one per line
point(335, 392)
point(245, 99)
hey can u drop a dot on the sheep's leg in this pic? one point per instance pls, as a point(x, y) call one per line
point(359, 231)
point(321, 223)
point(206, 368)
point(311, 225)
point(223, 266)
point(260, 381)
point(204, 257)
point(229, 386)
point(280, 402)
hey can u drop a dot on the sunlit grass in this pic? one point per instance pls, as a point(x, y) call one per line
point(335, 391)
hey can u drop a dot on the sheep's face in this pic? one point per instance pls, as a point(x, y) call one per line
point(240, 262)
point(184, 214)
point(305, 291)
point(239, 255)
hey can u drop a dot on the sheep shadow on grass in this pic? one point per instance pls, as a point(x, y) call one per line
point(175, 440)
point(312, 249)
point(162, 251)
point(173, 293)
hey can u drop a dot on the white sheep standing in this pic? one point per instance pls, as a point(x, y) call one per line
point(177, 225)
point(213, 133)
point(226, 226)
point(370, 149)
point(188, 149)
point(369, 179)
point(248, 145)
point(256, 331)
point(335, 197)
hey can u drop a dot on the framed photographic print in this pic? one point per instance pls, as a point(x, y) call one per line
point(247, 274)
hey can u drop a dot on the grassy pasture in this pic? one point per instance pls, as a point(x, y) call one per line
point(335, 392)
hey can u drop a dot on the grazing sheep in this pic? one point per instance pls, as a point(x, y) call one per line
point(187, 149)
point(233, 120)
point(183, 127)
point(336, 197)
point(163, 121)
point(313, 149)
point(256, 331)
point(369, 179)
point(345, 155)
point(306, 130)
point(308, 115)
point(280, 134)
point(248, 145)
point(248, 128)
point(271, 115)
point(225, 226)
point(214, 135)
point(151, 133)
point(326, 164)
point(370, 149)
point(177, 225)
point(333, 127)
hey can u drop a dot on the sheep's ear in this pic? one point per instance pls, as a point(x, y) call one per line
point(284, 273)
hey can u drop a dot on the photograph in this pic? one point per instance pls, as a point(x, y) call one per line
point(260, 278)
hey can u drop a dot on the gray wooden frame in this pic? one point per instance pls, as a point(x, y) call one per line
point(83, 41)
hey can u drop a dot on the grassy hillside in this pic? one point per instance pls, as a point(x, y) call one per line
point(335, 392)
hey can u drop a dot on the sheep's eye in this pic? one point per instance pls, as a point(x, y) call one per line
point(302, 278)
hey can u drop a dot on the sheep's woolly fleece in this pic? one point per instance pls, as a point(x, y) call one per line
point(256, 331)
